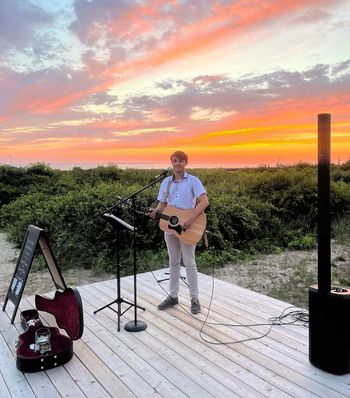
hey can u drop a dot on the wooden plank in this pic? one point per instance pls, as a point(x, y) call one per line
point(110, 382)
point(232, 356)
point(85, 379)
point(272, 303)
point(244, 361)
point(225, 290)
point(109, 350)
point(173, 368)
point(146, 379)
point(170, 359)
point(322, 373)
point(249, 297)
point(123, 361)
point(154, 344)
point(16, 383)
point(5, 393)
point(240, 314)
point(249, 308)
point(224, 311)
point(180, 332)
point(102, 382)
point(280, 363)
point(199, 354)
point(344, 378)
point(64, 383)
point(253, 299)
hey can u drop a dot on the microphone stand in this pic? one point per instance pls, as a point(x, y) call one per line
point(157, 179)
point(135, 325)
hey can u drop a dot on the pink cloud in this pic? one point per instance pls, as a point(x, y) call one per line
point(126, 40)
point(192, 29)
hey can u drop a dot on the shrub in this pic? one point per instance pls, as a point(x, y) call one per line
point(251, 210)
point(304, 242)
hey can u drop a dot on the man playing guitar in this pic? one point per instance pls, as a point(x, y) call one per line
point(181, 191)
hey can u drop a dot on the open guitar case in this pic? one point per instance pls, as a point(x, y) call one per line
point(43, 347)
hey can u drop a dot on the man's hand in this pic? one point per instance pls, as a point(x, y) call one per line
point(187, 223)
point(152, 213)
point(201, 206)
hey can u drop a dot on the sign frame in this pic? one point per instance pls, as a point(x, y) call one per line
point(34, 239)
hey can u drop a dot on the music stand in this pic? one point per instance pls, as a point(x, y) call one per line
point(118, 224)
point(135, 325)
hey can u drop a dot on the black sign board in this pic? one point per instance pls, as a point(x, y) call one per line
point(35, 238)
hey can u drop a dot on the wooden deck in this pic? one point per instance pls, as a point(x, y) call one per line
point(169, 358)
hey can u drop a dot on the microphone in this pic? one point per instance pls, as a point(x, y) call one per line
point(163, 174)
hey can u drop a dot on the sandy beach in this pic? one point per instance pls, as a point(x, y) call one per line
point(38, 282)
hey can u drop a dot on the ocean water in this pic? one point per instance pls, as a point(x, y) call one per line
point(92, 165)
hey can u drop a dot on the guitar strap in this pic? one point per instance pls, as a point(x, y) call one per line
point(168, 188)
point(205, 239)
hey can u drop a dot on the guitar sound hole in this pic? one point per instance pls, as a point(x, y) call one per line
point(173, 220)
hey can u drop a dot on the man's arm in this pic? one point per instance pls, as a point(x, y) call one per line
point(202, 204)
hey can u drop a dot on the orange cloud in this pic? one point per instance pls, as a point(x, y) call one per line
point(270, 145)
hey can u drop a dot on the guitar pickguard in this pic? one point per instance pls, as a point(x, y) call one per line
point(177, 228)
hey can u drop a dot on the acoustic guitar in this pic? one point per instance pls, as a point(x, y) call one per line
point(172, 219)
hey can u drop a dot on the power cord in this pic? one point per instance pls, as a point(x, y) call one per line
point(292, 318)
point(297, 317)
point(205, 322)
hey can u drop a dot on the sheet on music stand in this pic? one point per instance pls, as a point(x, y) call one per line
point(119, 220)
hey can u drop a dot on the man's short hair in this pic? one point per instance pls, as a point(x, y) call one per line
point(180, 155)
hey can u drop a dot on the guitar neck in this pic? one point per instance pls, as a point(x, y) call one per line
point(159, 215)
point(162, 216)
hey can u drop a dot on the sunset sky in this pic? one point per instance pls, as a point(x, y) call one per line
point(231, 82)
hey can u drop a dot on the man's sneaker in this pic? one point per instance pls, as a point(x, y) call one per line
point(195, 306)
point(168, 302)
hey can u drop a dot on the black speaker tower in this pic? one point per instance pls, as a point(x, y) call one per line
point(329, 307)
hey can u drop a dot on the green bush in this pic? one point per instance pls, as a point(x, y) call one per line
point(251, 211)
point(304, 242)
point(18, 181)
